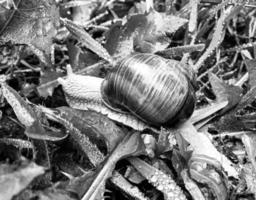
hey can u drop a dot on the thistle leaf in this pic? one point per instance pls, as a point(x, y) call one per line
point(218, 34)
point(87, 129)
point(28, 117)
point(160, 180)
point(87, 40)
point(18, 143)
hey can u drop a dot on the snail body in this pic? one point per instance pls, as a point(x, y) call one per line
point(154, 89)
point(149, 87)
point(83, 92)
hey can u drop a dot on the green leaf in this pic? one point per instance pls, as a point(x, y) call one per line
point(93, 124)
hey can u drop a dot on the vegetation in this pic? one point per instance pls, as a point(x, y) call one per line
point(57, 146)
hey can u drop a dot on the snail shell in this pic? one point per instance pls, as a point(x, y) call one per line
point(154, 89)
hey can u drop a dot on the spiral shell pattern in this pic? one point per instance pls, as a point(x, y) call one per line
point(151, 87)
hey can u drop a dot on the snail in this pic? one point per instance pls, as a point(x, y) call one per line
point(156, 90)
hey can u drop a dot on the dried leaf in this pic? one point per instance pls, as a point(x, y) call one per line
point(229, 122)
point(34, 23)
point(180, 50)
point(142, 33)
point(165, 142)
point(219, 88)
point(138, 8)
point(80, 185)
point(41, 153)
point(251, 67)
point(248, 121)
point(48, 77)
point(201, 144)
point(181, 158)
point(131, 145)
point(46, 89)
point(235, 122)
point(119, 40)
point(225, 92)
point(80, 59)
point(66, 163)
point(171, 23)
point(13, 180)
point(247, 99)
